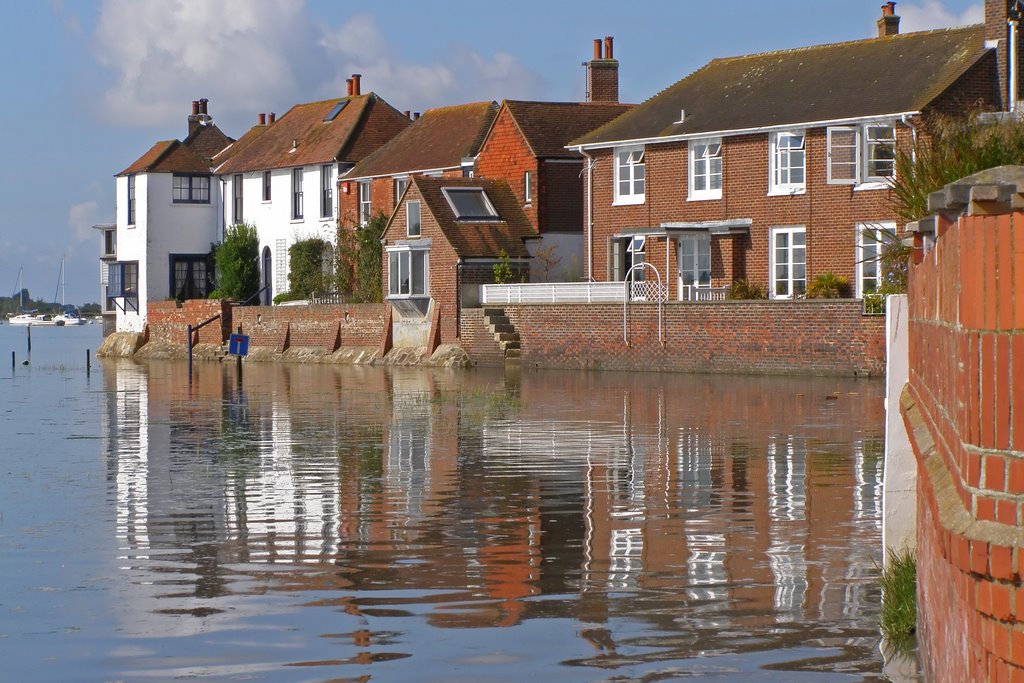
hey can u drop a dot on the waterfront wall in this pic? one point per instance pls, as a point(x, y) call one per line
point(966, 375)
point(823, 337)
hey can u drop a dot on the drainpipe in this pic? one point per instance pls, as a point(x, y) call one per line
point(458, 299)
point(905, 120)
point(590, 219)
point(1013, 65)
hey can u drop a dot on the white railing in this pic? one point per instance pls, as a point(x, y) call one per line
point(552, 293)
point(695, 293)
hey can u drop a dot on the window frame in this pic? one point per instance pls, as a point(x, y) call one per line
point(876, 229)
point(237, 207)
point(192, 190)
point(298, 210)
point(326, 191)
point(405, 255)
point(864, 145)
point(791, 281)
point(132, 199)
point(701, 250)
point(398, 187)
point(365, 203)
point(267, 185)
point(872, 143)
point(490, 217)
point(408, 218)
point(527, 188)
point(708, 192)
point(831, 177)
point(200, 284)
point(777, 154)
point(117, 278)
point(633, 158)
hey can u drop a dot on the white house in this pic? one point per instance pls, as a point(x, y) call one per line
point(282, 175)
point(168, 215)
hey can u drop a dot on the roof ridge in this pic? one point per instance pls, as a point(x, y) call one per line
point(844, 43)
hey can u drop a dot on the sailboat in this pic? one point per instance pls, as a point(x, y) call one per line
point(31, 317)
point(68, 314)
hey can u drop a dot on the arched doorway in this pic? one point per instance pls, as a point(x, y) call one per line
point(267, 296)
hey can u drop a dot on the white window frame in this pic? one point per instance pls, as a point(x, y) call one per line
point(398, 186)
point(630, 168)
point(792, 282)
point(864, 144)
point(863, 258)
point(327, 191)
point(782, 167)
point(709, 174)
point(527, 188)
point(701, 249)
point(408, 218)
point(365, 201)
point(298, 208)
point(402, 256)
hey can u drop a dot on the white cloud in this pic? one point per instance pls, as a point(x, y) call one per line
point(249, 56)
point(81, 218)
point(930, 14)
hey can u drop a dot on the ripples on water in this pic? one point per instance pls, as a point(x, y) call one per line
point(323, 523)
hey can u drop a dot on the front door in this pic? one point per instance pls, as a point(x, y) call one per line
point(268, 292)
point(694, 264)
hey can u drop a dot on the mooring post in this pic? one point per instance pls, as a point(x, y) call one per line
point(13, 360)
point(238, 364)
point(88, 362)
point(189, 344)
point(29, 328)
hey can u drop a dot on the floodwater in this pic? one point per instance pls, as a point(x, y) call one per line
point(312, 523)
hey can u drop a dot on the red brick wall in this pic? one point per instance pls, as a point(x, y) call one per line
point(810, 337)
point(506, 156)
point(167, 321)
point(326, 327)
point(966, 367)
point(560, 196)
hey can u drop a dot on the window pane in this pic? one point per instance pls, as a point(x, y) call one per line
point(403, 272)
point(393, 272)
point(413, 218)
point(419, 272)
point(470, 203)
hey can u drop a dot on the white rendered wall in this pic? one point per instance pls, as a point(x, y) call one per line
point(131, 245)
point(273, 219)
point(899, 497)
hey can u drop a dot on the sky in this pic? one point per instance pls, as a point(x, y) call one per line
point(90, 85)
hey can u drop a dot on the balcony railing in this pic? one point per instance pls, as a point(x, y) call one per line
point(553, 292)
point(695, 293)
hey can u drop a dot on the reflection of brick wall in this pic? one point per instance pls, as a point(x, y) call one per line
point(820, 337)
point(965, 309)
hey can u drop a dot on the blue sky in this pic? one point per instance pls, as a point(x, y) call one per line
point(91, 85)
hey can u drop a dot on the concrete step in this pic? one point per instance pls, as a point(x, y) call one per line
point(513, 354)
point(511, 344)
point(500, 328)
point(489, 311)
point(506, 336)
point(497, 320)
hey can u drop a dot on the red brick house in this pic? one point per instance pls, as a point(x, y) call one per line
point(443, 241)
point(774, 167)
point(443, 142)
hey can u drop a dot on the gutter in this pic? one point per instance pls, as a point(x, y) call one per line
point(683, 137)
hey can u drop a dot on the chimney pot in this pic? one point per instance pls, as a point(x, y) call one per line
point(597, 48)
point(202, 106)
point(195, 107)
point(889, 24)
point(407, 114)
point(356, 88)
point(415, 116)
point(888, 9)
point(608, 47)
point(348, 83)
point(262, 118)
point(273, 117)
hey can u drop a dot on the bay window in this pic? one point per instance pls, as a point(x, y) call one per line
point(407, 272)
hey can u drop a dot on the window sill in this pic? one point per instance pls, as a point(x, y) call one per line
point(703, 196)
point(629, 201)
point(871, 185)
point(297, 220)
point(787, 192)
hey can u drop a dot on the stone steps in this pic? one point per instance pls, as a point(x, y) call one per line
point(504, 332)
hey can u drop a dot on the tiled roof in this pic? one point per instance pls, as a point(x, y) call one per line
point(440, 138)
point(241, 143)
point(864, 78)
point(479, 239)
point(549, 126)
point(301, 137)
point(193, 155)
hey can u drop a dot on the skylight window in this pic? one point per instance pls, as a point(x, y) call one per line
point(337, 110)
point(470, 203)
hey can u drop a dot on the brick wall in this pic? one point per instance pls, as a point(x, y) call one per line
point(802, 337)
point(966, 375)
point(168, 321)
point(506, 156)
point(326, 327)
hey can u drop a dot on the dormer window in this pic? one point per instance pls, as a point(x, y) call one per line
point(470, 203)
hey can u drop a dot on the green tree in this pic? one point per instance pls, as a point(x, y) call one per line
point(237, 259)
point(306, 259)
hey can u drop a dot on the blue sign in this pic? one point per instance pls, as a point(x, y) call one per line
point(238, 345)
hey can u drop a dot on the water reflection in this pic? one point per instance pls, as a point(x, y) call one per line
point(566, 523)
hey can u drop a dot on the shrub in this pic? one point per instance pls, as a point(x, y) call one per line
point(306, 262)
point(237, 260)
point(359, 264)
point(828, 286)
point(744, 289)
point(502, 269)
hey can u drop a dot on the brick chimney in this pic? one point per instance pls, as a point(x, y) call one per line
point(998, 14)
point(603, 73)
point(355, 84)
point(889, 24)
point(193, 118)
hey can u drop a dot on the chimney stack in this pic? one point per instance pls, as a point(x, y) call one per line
point(355, 84)
point(195, 118)
point(273, 117)
point(348, 83)
point(407, 114)
point(262, 119)
point(603, 74)
point(889, 24)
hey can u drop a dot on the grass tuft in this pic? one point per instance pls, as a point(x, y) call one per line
point(899, 600)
